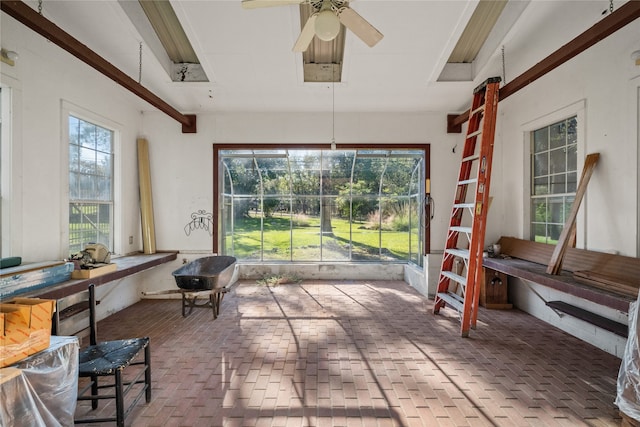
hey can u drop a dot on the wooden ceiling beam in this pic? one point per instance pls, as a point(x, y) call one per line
point(33, 20)
point(619, 18)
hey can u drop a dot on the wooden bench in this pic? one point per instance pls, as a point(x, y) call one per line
point(609, 280)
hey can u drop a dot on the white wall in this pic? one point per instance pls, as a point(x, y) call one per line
point(44, 79)
point(604, 81)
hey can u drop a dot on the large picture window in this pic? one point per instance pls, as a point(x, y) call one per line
point(90, 184)
point(554, 156)
point(322, 205)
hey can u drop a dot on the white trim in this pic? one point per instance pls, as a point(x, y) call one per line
point(634, 135)
point(5, 169)
point(577, 109)
point(67, 109)
point(12, 166)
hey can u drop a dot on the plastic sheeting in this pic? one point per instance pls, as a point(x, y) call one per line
point(41, 390)
point(628, 394)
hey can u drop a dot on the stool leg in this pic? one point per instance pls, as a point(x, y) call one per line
point(119, 399)
point(94, 392)
point(147, 374)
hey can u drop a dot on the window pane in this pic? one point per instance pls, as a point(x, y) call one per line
point(339, 164)
point(572, 158)
point(103, 190)
point(305, 173)
point(539, 233)
point(277, 232)
point(74, 192)
point(539, 210)
point(415, 246)
point(572, 132)
point(103, 164)
point(88, 135)
point(366, 177)
point(103, 139)
point(554, 233)
point(306, 229)
point(397, 176)
point(540, 140)
point(274, 173)
point(556, 210)
point(246, 237)
point(74, 130)
point(557, 135)
point(335, 233)
point(558, 184)
point(74, 158)
point(541, 186)
point(558, 160)
point(87, 161)
point(87, 190)
point(541, 164)
point(572, 182)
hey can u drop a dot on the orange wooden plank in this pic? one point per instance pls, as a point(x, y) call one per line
point(555, 264)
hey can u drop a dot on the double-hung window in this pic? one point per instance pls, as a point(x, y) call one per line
point(90, 184)
point(554, 155)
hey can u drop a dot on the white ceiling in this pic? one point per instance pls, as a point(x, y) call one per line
point(248, 59)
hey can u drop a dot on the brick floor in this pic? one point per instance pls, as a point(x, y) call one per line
point(368, 354)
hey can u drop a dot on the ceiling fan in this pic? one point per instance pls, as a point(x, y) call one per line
point(325, 21)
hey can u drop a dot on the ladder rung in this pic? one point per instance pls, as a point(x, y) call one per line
point(464, 205)
point(477, 110)
point(468, 181)
point(476, 133)
point(462, 253)
point(461, 229)
point(455, 277)
point(471, 158)
point(454, 300)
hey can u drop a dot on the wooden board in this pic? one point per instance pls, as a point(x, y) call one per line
point(555, 264)
point(94, 272)
point(613, 273)
point(25, 268)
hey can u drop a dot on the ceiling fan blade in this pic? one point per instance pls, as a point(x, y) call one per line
point(359, 26)
point(306, 35)
point(254, 4)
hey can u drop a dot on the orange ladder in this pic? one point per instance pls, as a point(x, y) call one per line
point(460, 289)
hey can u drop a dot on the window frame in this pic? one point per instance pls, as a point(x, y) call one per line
point(217, 243)
point(5, 170)
point(69, 109)
point(576, 109)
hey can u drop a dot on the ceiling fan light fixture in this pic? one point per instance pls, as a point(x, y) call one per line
point(327, 25)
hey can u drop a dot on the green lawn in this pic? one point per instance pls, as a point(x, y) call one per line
point(305, 240)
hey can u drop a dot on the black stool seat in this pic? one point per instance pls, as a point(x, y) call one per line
point(104, 358)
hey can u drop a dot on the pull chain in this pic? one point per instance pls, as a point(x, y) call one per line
point(504, 72)
point(333, 105)
point(610, 5)
point(40, 7)
point(140, 65)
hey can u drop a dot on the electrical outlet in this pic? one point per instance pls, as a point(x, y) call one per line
point(131, 240)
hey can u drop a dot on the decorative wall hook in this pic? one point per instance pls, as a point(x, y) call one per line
point(200, 220)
